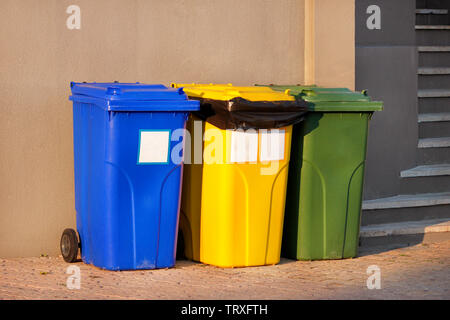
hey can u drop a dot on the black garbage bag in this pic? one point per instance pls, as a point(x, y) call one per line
point(239, 113)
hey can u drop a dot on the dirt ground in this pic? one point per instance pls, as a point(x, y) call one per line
point(417, 272)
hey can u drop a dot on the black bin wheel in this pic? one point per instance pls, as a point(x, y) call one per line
point(69, 245)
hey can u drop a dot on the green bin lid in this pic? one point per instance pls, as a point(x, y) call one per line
point(332, 99)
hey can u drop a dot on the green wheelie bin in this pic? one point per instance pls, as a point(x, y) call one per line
point(326, 171)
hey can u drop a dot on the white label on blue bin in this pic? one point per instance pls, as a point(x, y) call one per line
point(244, 146)
point(272, 145)
point(153, 146)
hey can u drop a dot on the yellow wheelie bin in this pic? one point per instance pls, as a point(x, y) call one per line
point(235, 174)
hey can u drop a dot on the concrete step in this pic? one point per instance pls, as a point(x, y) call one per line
point(434, 117)
point(403, 228)
point(392, 215)
point(442, 142)
point(408, 201)
point(432, 35)
point(433, 93)
point(434, 59)
point(431, 19)
point(434, 129)
point(427, 171)
point(429, 105)
point(431, 11)
point(405, 233)
point(433, 155)
point(437, 81)
point(433, 4)
point(433, 71)
point(433, 48)
point(424, 183)
point(432, 27)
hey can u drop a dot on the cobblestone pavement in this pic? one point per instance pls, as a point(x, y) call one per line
point(418, 272)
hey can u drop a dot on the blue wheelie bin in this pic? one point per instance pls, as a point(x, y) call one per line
point(128, 172)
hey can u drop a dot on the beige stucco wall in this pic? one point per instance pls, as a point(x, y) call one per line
point(334, 27)
point(153, 41)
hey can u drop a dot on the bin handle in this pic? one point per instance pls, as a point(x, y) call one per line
point(308, 92)
point(113, 91)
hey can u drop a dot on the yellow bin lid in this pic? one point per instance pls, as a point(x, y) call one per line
point(226, 92)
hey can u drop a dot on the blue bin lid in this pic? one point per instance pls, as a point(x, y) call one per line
point(116, 96)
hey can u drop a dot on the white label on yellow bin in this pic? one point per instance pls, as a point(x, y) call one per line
point(272, 145)
point(244, 146)
point(153, 146)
